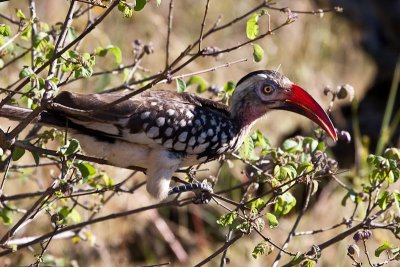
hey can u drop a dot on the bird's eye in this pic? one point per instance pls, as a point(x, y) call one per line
point(267, 89)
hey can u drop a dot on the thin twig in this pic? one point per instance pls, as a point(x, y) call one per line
point(203, 23)
point(170, 17)
point(16, 22)
point(204, 71)
point(313, 232)
point(218, 251)
point(367, 253)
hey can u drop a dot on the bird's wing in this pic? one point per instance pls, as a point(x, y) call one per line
point(179, 122)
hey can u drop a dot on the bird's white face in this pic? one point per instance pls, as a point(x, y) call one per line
point(271, 89)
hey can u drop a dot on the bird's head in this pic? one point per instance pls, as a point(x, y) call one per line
point(261, 91)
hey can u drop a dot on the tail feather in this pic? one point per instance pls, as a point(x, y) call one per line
point(52, 118)
point(44, 118)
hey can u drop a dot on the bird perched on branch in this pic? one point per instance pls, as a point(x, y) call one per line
point(163, 130)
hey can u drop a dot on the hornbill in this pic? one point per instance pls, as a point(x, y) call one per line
point(162, 131)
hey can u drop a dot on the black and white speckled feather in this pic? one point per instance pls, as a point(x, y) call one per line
point(181, 123)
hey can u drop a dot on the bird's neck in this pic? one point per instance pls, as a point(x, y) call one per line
point(246, 114)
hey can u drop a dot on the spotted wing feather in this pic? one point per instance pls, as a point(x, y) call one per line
point(179, 122)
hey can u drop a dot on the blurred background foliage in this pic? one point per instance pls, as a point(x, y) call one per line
point(359, 47)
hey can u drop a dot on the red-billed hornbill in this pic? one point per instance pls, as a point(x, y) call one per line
point(162, 131)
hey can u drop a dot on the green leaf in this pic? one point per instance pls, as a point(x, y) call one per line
point(107, 180)
point(397, 200)
point(284, 172)
point(308, 263)
point(305, 167)
point(258, 53)
point(70, 148)
point(354, 196)
point(36, 157)
point(313, 144)
point(5, 216)
point(40, 40)
point(116, 51)
point(74, 216)
point(200, 82)
point(83, 71)
point(297, 259)
point(272, 220)
point(5, 30)
point(20, 14)
point(158, 2)
point(227, 219)
point(247, 148)
point(27, 33)
point(383, 200)
point(284, 204)
point(290, 145)
point(86, 169)
point(71, 34)
point(256, 205)
point(252, 28)
point(259, 250)
point(26, 72)
point(139, 5)
point(17, 153)
point(385, 246)
point(260, 140)
point(180, 85)
point(125, 9)
point(229, 87)
point(392, 153)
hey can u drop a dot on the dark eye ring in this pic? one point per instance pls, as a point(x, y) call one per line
point(268, 89)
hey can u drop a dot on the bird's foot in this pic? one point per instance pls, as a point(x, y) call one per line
point(202, 190)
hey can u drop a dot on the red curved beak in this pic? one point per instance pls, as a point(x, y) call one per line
point(301, 102)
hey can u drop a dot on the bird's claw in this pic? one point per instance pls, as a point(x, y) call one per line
point(202, 190)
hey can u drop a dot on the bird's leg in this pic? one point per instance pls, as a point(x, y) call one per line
point(203, 190)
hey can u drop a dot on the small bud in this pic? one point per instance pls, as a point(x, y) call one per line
point(333, 165)
point(211, 50)
point(363, 196)
point(353, 250)
point(215, 89)
point(327, 90)
point(148, 49)
point(357, 236)
point(362, 235)
point(345, 136)
point(318, 157)
point(345, 91)
point(137, 42)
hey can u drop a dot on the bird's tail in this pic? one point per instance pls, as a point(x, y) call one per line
point(44, 118)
